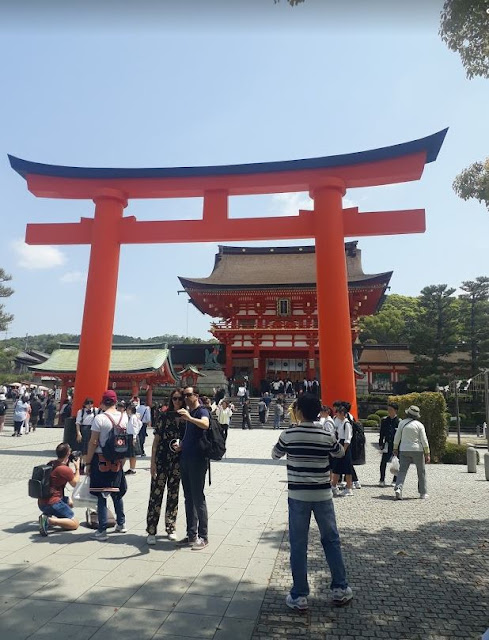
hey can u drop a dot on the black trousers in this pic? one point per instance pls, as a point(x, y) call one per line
point(193, 471)
point(246, 422)
point(383, 464)
point(142, 437)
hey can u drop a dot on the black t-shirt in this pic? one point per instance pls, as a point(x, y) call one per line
point(193, 434)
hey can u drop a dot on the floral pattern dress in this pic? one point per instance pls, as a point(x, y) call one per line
point(167, 475)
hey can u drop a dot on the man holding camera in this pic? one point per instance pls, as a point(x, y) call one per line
point(57, 509)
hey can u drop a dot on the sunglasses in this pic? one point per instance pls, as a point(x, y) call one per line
point(177, 398)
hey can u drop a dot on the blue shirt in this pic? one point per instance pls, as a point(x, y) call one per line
point(193, 434)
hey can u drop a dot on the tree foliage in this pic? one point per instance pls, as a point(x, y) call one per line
point(473, 182)
point(474, 322)
point(5, 292)
point(464, 28)
point(391, 324)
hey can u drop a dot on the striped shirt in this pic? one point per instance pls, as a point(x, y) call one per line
point(308, 447)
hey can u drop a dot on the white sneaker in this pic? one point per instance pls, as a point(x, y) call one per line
point(382, 483)
point(398, 494)
point(336, 492)
point(172, 536)
point(120, 528)
point(151, 540)
point(423, 496)
point(347, 493)
point(342, 596)
point(300, 603)
point(100, 535)
point(357, 485)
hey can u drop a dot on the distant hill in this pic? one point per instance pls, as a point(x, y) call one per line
point(47, 342)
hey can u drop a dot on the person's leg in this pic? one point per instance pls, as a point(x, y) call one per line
point(299, 519)
point(404, 462)
point(383, 465)
point(172, 489)
point(248, 420)
point(349, 480)
point(155, 501)
point(17, 426)
point(102, 512)
point(330, 539)
point(190, 511)
point(225, 429)
point(197, 480)
point(354, 476)
point(61, 515)
point(418, 458)
point(120, 516)
point(2, 422)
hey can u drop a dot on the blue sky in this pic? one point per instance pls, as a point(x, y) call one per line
point(148, 86)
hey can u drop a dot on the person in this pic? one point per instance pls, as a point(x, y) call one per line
point(267, 399)
point(308, 448)
point(134, 425)
point(262, 411)
point(57, 510)
point(411, 446)
point(83, 424)
point(242, 393)
point(35, 409)
point(344, 466)
point(224, 413)
point(21, 412)
point(245, 416)
point(388, 428)
point(50, 412)
point(325, 419)
point(165, 469)
point(278, 412)
point(144, 413)
point(106, 477)
point(3, 410)
point(193, 467)
point(338, 403)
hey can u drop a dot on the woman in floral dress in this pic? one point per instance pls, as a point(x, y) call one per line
point(165, 469)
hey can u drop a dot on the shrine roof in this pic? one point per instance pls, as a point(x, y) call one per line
point(124, 358)
point(265, 267)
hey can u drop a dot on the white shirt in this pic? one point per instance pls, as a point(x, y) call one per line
point(102, 425)
point(343, 429)
point(224, 415)
point(327, 424)
point(20, 411)
point(134, 425)
point(411, 436)
point(88, 417)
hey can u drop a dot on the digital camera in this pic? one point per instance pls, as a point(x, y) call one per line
point(74, 455)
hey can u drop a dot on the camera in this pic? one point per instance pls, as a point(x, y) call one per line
point(74, 455)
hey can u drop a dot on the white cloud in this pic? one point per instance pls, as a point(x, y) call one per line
point(288, 204)
point(73, 277)
point(37, 257)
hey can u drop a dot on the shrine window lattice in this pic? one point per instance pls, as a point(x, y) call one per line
point(283, 307)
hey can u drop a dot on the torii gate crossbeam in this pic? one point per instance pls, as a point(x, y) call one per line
point(326, 179)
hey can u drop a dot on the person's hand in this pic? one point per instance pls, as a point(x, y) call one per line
point(77, 463)
point(184, 413)
point(78, 436)
point(70, 502)
point(152, 469)
point(427, 458)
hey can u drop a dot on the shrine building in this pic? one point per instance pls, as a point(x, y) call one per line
point(265, 300)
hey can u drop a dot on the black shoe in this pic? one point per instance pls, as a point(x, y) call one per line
point(129, 472)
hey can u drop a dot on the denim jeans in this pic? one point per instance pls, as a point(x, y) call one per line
point(193, 470)
point(102, 510)
point(299, 519)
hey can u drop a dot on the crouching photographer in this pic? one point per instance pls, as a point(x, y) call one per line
point(57, 508)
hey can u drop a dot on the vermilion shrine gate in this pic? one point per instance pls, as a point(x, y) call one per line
point(326, 179)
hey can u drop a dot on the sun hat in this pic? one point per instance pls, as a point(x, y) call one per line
point(413, 411)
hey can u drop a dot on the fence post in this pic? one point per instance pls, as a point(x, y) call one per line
point(471, 459)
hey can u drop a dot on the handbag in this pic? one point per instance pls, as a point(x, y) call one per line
point(394, 468)
point(81, 495)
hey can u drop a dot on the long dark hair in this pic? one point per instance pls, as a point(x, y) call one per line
point(171, 404)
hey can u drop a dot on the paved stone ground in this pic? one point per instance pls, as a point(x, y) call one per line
point(419, 569)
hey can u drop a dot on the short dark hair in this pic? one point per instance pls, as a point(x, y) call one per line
point(88, 401)
point(393, 405)
point(62, 450)
point(195, 391)
point(309, 405)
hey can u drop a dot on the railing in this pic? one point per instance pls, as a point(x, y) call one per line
point(265, 325)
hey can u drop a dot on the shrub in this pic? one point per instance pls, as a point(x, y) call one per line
point(382, 413)
point(456, 454)
point(433, 410)
point(373, 424)
point(374, 417)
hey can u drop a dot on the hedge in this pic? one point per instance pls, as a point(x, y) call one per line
point(373, 424)
point(456, 454)
point(382, 413)
point(374, 417)
point(433, 410)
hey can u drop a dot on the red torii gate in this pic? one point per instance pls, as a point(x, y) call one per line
point(325, 178)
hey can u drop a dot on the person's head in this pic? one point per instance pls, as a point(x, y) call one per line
point(346, 404)
point(308, 407)
point(63, 451)
point(120, 405)
point(25, 398)
point(325, 411)
point(109, 399)
point(131, 409)
point(191, 395)
point(206, 402)
point(413, 412)
point(392, 409)
point(341, 411)
point(224, 404)
point(177, 401)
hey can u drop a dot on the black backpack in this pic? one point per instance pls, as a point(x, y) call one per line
point(212, 444)
point(3, 407)
point(40, 483)
point(357, 443)
point(116, 446)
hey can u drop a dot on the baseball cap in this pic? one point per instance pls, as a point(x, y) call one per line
point(109, 395)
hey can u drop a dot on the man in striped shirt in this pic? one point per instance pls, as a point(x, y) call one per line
point(308, 447)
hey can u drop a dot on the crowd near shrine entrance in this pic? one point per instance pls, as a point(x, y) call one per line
point(326, 179)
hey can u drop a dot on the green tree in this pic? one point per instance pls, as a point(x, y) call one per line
point(435, 333)
point(473, 182)
point(391, 324)
point(464, 27)
point(475, 321)
point(5, 292)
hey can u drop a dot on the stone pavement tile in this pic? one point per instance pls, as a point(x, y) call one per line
point(52, 630)
point(159, 593)
point(84, 615)
point(9, 570)
point(235, 629)
point(30, 554)
point(107, 596)
point(131, 624)
point(7, 603)
point(70, 585)
point(220, 581)
point(244, 605)
point(247, 522)
point(231, 556)
point(129, 573)
point(19, 588)
point(189, 625)
point(259, 570)
point(214, 542)
point(221, 527)
point(160, 553)
point(243, 537)
point(185, 565)
point(99, 564)
point(206, 605)
point(26, 617)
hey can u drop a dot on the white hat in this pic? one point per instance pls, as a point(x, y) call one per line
point(413, 411)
